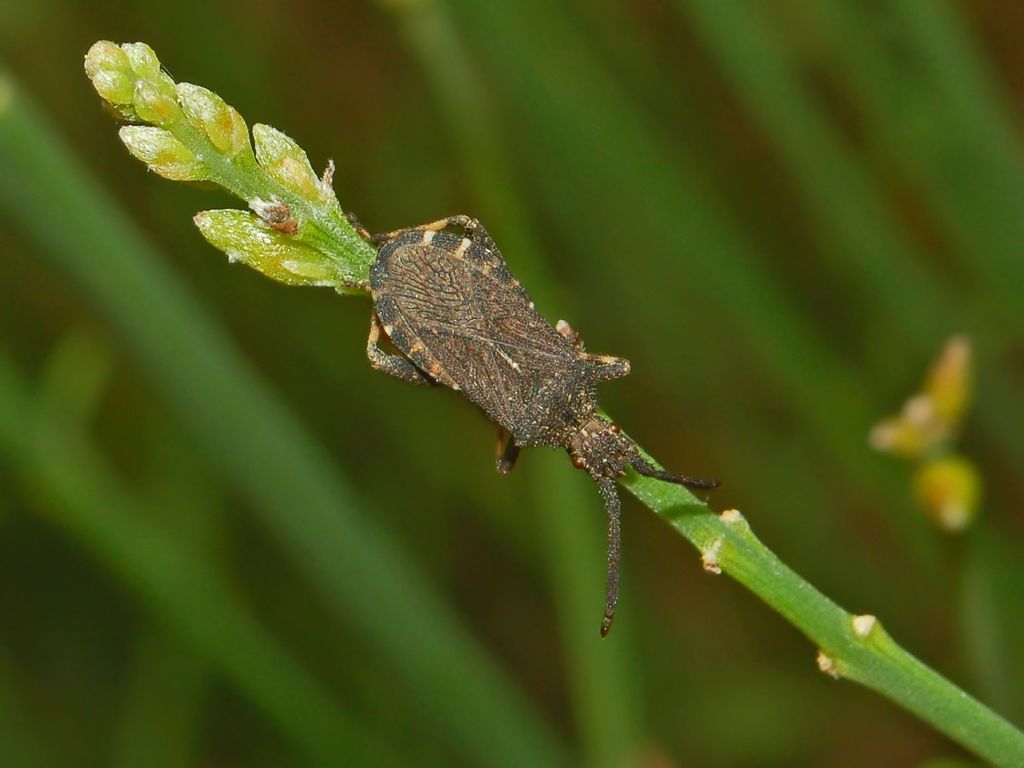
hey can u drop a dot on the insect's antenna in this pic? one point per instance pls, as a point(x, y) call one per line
point(613, 506)
point(642, 466)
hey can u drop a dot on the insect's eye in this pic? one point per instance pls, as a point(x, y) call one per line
point(614, 429)
point(579, 462)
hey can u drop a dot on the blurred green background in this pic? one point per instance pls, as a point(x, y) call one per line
point(225, 540)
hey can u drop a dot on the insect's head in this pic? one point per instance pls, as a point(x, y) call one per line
point(600, 448)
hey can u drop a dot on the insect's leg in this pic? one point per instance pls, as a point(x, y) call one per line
point(384, 237)
point(393, 365)
point(508, 451)
point(606, 367)
point(461, 220)
point(357, 225)
point(613, 506)
point(474, 230)
point(646, 469)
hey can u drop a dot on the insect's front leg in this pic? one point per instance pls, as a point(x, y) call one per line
point(357, 225)
point(393, 365)
point(508, 451)
point(474, 230)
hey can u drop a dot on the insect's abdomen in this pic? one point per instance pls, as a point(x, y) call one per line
point(457, 313)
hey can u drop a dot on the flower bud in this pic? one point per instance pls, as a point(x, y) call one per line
point(930, 419)
point(105, 56)
point(220, 122)
point(110, 72)
point(949, 491)
point(143, 60)
point(285, 160)
point(153, 104)
point(163, 153)
point(246, 238)
point(949, 382)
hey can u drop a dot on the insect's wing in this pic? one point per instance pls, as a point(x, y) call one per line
point(517, 361)
point(463, 320)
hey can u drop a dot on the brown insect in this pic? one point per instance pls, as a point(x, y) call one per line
point(450, 306)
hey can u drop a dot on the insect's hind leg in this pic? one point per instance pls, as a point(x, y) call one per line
point(393, 365)
point(613, 506)
point(645, 468)
point(508, 452)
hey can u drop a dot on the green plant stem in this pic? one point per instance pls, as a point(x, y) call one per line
point(871, 658)
point(253, 438)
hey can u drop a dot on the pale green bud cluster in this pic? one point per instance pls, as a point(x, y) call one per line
point(946, 486)
point(298, 234)
point(130, 79)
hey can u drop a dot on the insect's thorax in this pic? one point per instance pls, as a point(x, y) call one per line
point(601, 449)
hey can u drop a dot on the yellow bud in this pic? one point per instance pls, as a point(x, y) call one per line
point(285, 160)
point(929, 420)
point(949, 491)
point(246, 238)
point(143, 59)
point(163, 153)
point(949, 382)
point(220, 122)
point(153, 104)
